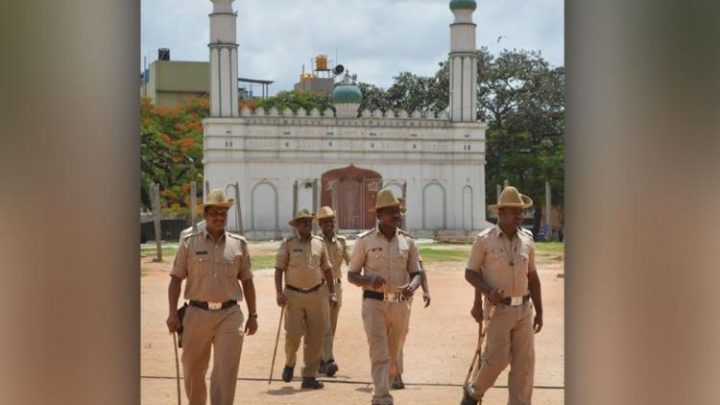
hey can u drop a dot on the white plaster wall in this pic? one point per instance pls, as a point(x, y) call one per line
point(245, 151)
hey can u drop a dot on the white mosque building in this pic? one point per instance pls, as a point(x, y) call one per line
point(275, 162)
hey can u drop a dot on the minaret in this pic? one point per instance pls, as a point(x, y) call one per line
point(223, 60)
point(463, 62)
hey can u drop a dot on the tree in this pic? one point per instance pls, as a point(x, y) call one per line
point(522, 99)
point(171, 147)
point(296, 100)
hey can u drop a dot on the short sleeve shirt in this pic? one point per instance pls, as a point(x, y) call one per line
point(393, 260)
point(337, 252)
point(302, 261)
point(505, 263)
point(212, 268)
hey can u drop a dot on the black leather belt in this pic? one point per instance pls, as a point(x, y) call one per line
point(507, 301)
point(206, 305)
point(303, 290)
point(373, 295)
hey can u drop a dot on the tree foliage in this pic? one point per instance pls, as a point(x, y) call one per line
point(171, 147)
point(295, 100)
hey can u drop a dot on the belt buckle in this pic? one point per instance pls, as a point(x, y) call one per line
point(393, 297)
point(214, 306)
point(515, 301)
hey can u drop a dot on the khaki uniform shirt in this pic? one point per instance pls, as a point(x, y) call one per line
point(393, 260)
point(337, 251)
point(505, 263)
point(212, 268)
point(303, 262)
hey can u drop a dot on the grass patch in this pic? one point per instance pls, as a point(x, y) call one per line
point(150, 250)
point(550, 247)
point(263, 262)
point(430, 255)
point(143, 272)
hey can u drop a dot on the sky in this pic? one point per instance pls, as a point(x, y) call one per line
point(375, 39)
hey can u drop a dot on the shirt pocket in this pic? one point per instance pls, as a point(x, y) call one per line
point(495, 255)
point(230, 265)
point(400, 259)
point(200, 266)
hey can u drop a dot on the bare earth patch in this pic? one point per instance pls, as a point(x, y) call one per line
point(437, 353)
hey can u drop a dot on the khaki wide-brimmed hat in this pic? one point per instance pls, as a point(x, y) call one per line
point(325, 212)
point(303, 213)
point(216, 198)
point(511, 197)
point(386, 198)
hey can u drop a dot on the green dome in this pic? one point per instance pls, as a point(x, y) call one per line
point(463, 4)
point(346, 93)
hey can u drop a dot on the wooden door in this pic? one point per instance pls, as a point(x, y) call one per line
point(351, 192)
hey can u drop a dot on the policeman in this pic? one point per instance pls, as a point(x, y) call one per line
point(384, 262)
point(337, 250)
point(303, 261)
point(212, 261)
point(502, 268)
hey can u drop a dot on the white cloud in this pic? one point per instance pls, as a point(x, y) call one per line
point(376, 39)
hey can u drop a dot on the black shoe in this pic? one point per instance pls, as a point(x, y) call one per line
point(397, 383)
point(287, 374)
point(322, 369)
point(311, 382)
point(467, 399)
point(331, 368)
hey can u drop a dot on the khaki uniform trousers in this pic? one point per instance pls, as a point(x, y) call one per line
point(509, 338)
point(223, 331)
point(305, 316)
point(331, 315)
point(386, 326)
point(398, 366)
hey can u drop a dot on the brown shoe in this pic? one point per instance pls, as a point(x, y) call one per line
point(467, 399)
point(397, 383)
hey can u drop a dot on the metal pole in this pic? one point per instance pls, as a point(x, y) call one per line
point(404, 196)
point(315, 202)
point(156, 220)
point(193, 204)
point(334, 203)
point(295, 199)
point(238, 208)
point(548, 211)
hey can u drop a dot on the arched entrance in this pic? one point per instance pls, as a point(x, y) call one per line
point(351, 192)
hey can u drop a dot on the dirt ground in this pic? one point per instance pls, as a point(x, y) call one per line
point(438, 350)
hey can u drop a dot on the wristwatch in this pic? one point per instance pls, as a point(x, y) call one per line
point(252, 316)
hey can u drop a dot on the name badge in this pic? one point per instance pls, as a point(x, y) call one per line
point(201, 252)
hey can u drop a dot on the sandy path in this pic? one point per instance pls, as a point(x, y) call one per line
point(437, 353)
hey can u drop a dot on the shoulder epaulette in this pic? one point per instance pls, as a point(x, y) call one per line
point(403, 232)
point(291, 237)
point(526, 232)
point(340, 237)
point(186, 237)
point(317, 237)
point(236, 236)
point(366, 233)
point(485, 232)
